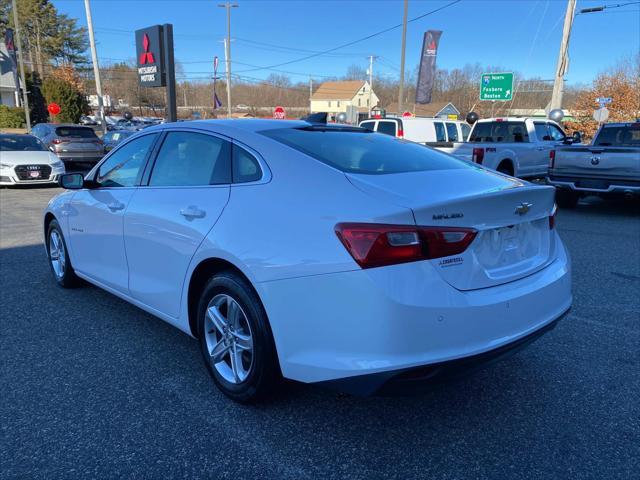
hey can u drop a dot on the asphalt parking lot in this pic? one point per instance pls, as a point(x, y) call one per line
point(92, 387)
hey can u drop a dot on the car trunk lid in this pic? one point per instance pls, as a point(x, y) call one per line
point(511, 216)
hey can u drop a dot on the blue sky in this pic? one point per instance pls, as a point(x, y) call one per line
point(520, 35)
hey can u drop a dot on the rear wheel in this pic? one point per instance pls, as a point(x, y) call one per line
point(236, 340)
point(59, 260)
point(506, 168)
point(567, 198)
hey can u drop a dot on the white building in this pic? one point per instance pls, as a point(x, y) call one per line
point(334, 97)
point(8, 92)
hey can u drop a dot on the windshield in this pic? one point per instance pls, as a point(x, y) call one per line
point(20, 143)
point(359, 151)
point(76, 132)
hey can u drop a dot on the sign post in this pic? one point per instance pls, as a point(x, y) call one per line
point(154, 54)
point(496, 86)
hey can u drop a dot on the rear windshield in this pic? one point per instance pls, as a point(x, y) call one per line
point(622, 136)
point(75, 132)
point(20, 143)
point(364, 152)
point(500, 132)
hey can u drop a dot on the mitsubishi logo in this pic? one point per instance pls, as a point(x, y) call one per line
point(147, 56)
point(523, 208)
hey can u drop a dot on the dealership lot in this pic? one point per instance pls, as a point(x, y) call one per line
point(94, 387)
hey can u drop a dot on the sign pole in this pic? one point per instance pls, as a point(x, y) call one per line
point(172, 109)
point(25, 99)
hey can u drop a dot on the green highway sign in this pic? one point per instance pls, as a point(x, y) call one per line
point(496, 86)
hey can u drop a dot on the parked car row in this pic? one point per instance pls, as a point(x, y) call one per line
point(321, 253)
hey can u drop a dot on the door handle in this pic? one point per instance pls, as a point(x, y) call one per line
point(115, 206)
point(192, 212)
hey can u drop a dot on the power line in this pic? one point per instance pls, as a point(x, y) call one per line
point(355, 41)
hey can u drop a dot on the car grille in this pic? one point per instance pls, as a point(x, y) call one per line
point(24, 172)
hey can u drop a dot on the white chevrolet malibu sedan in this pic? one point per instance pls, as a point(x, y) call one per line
point(318, 253)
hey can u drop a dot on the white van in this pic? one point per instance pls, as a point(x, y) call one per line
point(434, 132)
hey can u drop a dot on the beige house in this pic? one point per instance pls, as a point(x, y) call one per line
point(334, 97)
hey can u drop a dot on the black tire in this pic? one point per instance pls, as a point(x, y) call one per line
point(66, 278)
point(567, 198)
point(506, 168)
point(264, 375)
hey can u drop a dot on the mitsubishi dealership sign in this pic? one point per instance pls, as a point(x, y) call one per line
point(150, 57)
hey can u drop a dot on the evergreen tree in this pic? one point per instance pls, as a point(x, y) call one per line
point(72, 102)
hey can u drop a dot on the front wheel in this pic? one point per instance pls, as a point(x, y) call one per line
point(236, 340)
point(59, 260)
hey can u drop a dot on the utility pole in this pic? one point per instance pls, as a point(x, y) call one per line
point(563, 60)
point(227, 52)
point(25, 99)
point(310, 93)
point(370, 72)
point(404, 44)
point(96, 68)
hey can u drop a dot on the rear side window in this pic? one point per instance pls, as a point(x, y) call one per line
point(452, 132)
point(368, 125)
point(245, 166)
point(500, 132)
point(75, 132)
point(440, 135)
point(622, 136)
point(388, 128)
point(363, 152)
point(192, 159)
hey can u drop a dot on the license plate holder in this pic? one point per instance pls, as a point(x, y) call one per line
point(593, 184)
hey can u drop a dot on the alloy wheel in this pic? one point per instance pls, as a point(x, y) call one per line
point(229, 339)
point(57, 254)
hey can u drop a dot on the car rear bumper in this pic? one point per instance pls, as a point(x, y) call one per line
point(603, 185)
point(394, 319)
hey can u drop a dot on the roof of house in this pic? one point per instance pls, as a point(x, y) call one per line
point(421, 110)
point(338, 90)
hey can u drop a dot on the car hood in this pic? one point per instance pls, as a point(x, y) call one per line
point(28, 158)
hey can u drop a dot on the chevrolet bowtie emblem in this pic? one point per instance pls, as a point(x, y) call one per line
point(523, 208)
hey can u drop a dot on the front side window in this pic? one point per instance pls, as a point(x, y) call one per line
point(466, 129)
point(556, 133)
point(452, 132)
point(123, 167)
point(192, 159)
point(440, 135)
point(542, 132)
point(355, 151)
point(388, 128)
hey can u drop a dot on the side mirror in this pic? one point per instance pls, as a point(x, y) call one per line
point(577, 137)
point(71, 181)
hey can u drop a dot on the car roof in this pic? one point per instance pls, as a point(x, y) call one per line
point(231, 127)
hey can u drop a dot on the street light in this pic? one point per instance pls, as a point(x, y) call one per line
point(602, 7)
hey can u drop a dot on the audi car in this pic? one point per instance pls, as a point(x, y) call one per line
point(319, 253)
point(25, 160)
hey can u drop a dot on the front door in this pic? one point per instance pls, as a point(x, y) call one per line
point(168, 219)
point(96, 215)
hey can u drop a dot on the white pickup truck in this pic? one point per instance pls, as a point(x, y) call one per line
point(610, 165)
point(520, 147)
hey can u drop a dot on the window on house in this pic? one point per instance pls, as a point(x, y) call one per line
point(359, 102)
point(338, 103)
point(329, 104)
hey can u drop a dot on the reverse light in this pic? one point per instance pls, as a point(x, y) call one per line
point(552, 158)
point(375, 245)
point(478, 155)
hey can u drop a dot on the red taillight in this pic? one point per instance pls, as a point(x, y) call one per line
point(552, 218)
point(552, 158)
point(57, 141)
point(400, 133)
point(478, 155)
point(375, 245)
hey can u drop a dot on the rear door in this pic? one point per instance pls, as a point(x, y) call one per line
point(388, 127)
point(186, 190)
